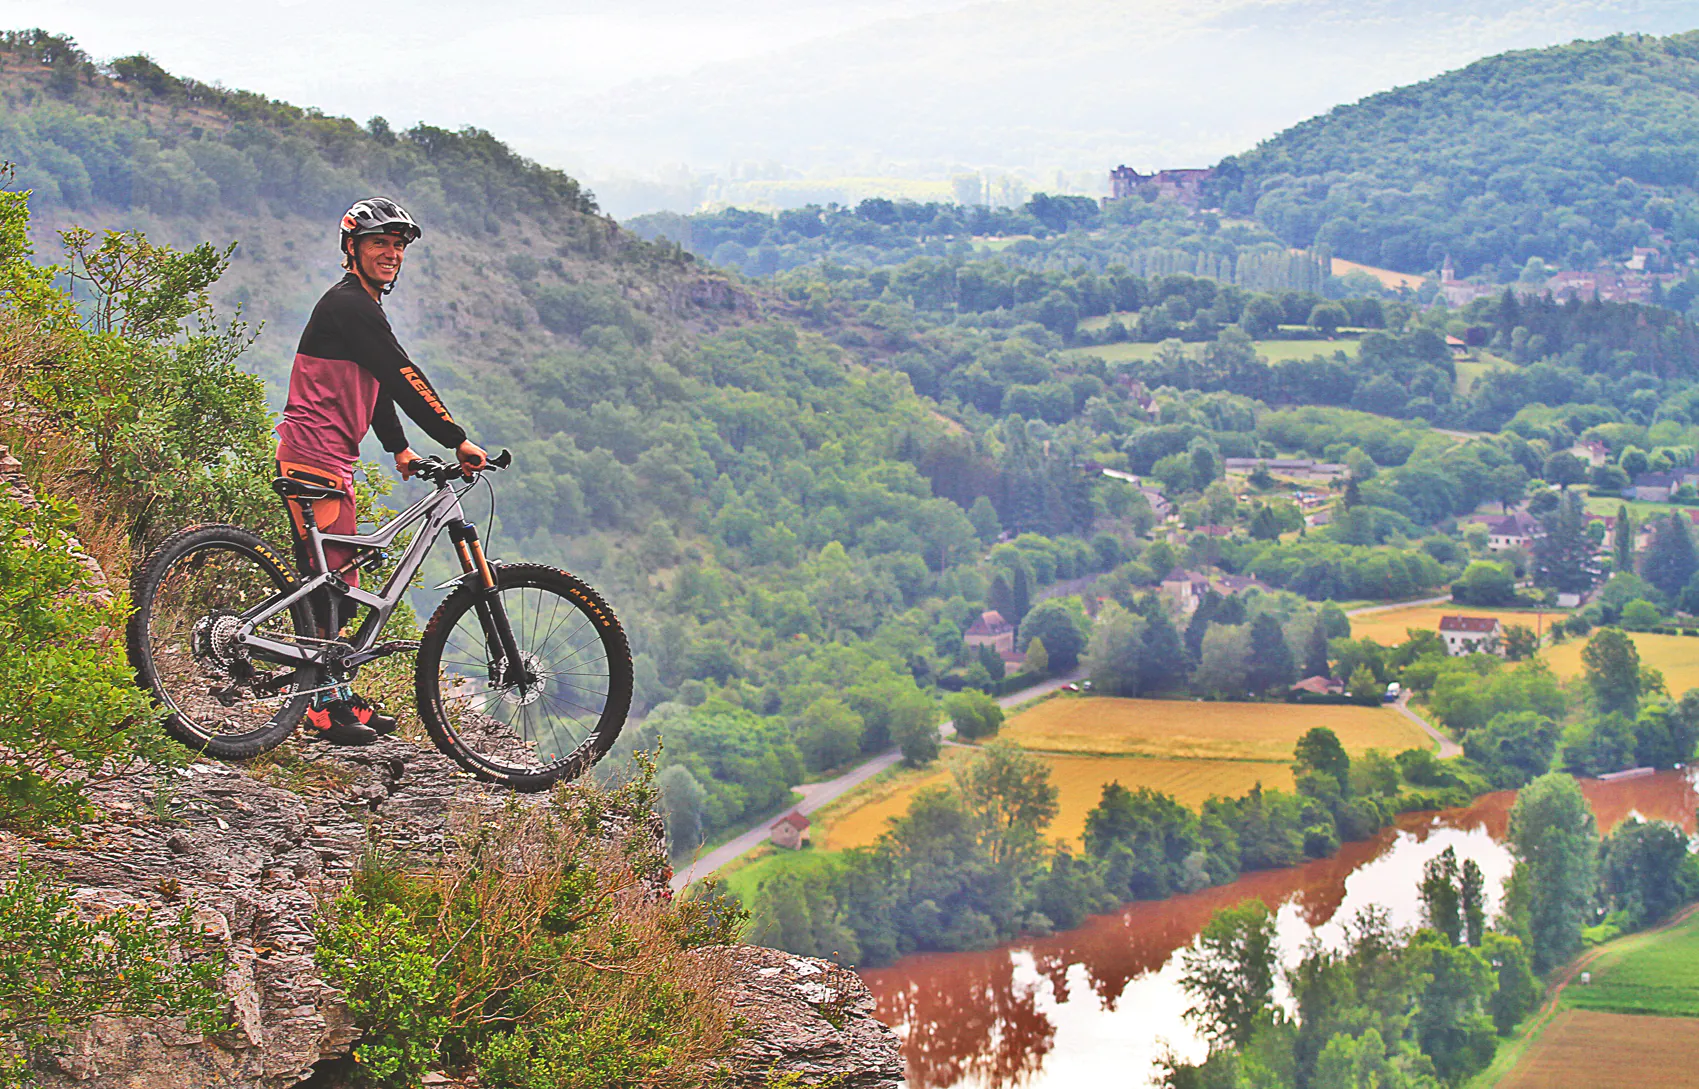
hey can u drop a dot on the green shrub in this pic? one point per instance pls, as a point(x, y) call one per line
point(70, 712)
point(58, 970)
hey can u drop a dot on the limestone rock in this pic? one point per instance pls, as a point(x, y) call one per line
point(808, 1016)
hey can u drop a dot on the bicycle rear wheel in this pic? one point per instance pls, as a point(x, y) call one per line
point(189, 598)
point(551, 719)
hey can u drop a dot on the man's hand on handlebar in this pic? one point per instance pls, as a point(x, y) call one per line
point(436, 471)
point(471, 455)
point(404, 463)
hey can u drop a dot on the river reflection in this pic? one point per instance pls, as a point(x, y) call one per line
point(1099, 1004)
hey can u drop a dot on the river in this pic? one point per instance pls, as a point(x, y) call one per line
point(1098, 1005)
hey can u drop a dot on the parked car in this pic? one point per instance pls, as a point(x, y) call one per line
point(1393, 691)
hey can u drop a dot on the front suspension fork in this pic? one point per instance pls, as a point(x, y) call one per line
point(492, 615)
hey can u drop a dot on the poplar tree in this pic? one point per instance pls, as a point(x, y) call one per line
point(1623, 545)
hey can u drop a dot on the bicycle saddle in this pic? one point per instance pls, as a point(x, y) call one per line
point(295, 489)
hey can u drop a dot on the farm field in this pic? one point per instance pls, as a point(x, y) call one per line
point(1605, 506)
point(1608, 1051)
point(1386, 276)
point(1275, 350)
point(1675, 656)
point(1079, 786)
point(1648, 974)
point(1388, 628)
point(745, 875)
point(1198, 730)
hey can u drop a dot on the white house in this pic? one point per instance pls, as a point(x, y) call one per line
point(1471, 635)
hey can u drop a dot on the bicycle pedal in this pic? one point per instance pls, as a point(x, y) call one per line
point(396, 646)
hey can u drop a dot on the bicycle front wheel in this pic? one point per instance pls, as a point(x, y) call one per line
point(549, 718)
point(190, 597)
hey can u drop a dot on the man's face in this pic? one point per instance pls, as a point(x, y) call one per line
point(379, 256)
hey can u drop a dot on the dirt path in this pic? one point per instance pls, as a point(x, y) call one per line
point(817, 795)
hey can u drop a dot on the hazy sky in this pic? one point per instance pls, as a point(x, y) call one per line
point(450, 63)
point(881, 89)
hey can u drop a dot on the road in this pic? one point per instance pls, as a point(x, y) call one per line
point(1447, 747)
point(816, 795)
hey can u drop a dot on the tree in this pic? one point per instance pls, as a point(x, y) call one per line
point(1163, 665)
point(1327, 317)
point(974, 714)
point(917, 739)
point(1229, 973)
point(1563, 553)
point(983, 516)
point(1315, 651)
point(1513, 747)
point(1485, 583)
point(1564, 469)
point(1516, 991)
point(1319, 752)
point(1507, 484)
point(1271, 664)
point(1010, 793)
point(1612, 667)
point(1442, 896)
point(1472, 889)
point(1062, 627)
point(1520, 642)
point(1555, 841)
point(1264, 525)
point(1037, 658)
point(990, 661)
point(1670, 562)
point(1114, 655)
point(1622, 546)
point(1223, 662)
point(1642, 870)
point(682, 804)
point(828, 733)
point(1362, 687)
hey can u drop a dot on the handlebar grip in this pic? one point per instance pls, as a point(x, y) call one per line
point(501, 460)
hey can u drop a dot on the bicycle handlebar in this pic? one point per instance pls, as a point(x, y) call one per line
point(437, 471)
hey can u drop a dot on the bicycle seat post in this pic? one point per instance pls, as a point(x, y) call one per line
point(310, 527)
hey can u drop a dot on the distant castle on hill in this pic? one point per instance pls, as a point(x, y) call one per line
point(1185, 186)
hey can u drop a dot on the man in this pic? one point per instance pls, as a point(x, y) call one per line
point(350, 373)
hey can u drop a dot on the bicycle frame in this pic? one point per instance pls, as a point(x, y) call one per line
point(434, 513)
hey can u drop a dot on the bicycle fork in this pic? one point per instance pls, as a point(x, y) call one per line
point(492, 615)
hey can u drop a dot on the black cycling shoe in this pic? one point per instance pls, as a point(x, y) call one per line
point(336, 725)
point(379, 723)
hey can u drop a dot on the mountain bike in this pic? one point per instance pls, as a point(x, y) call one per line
point(522, 676)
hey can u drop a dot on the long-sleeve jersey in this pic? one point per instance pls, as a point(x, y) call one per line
point(350, 373)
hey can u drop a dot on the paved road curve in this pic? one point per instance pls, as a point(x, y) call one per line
point(1447, 747)
point(815, 795)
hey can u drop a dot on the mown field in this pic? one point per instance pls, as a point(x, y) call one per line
point(1199, 730)
point(1675, 656)
point(1608, 1051)
point(1389, 628)
point(1386, 276)
point(1606, 506)
point(1275, 350)
point(1191, 750)
point(1651, 974)
point(1079, 785)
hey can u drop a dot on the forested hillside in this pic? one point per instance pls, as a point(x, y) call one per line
point(1568, 154)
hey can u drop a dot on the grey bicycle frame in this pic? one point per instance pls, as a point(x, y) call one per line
point(438, 511)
